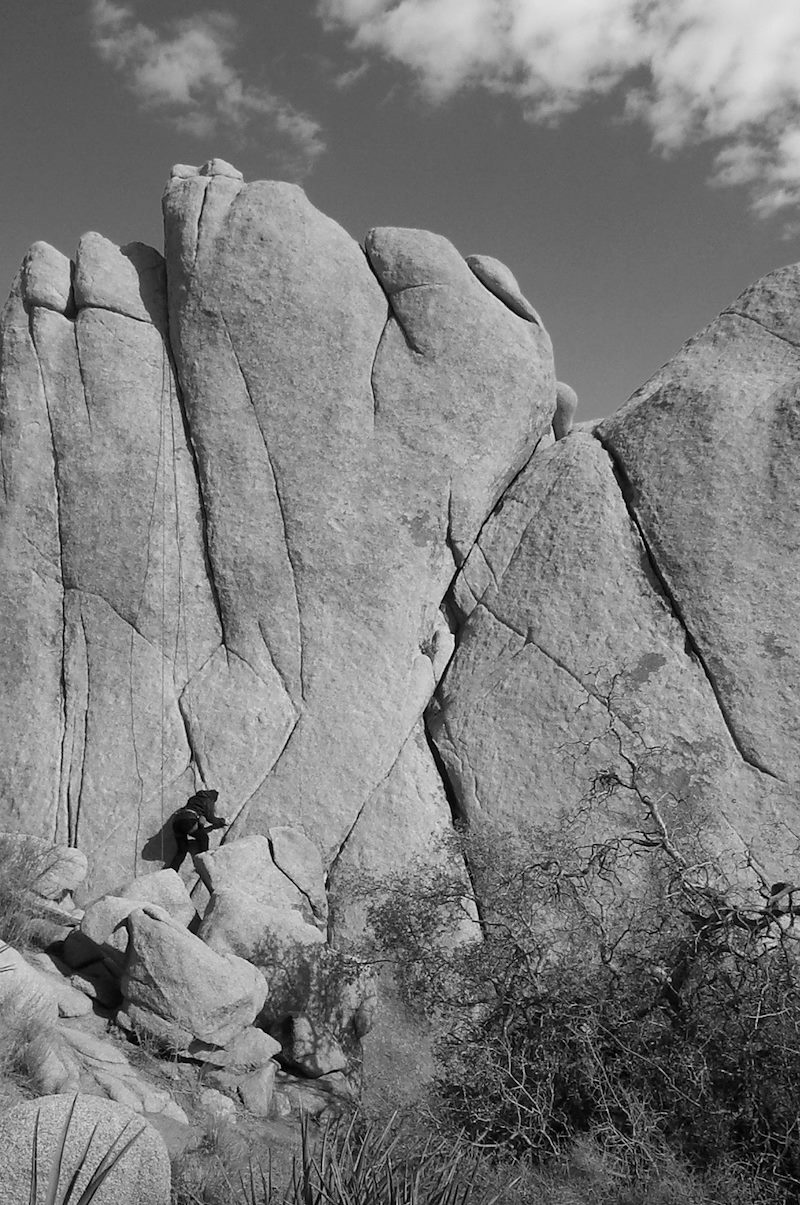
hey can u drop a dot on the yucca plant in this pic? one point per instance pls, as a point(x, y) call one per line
point(366, 1165)
point(104, 1168)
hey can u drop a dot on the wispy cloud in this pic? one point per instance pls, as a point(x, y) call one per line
point(724, 72)
point(185, 72)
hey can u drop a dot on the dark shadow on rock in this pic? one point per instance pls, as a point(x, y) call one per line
point(151, 271)
point(161, 846)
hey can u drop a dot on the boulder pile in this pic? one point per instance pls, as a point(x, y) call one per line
point(251, 991)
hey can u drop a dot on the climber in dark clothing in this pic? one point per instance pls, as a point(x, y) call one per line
point(191, 825)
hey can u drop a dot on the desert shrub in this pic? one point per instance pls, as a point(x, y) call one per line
point(209, 1173)
point(23, 863)
point(20, 1036)
point(621, 989)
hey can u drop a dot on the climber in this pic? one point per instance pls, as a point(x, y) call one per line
point(191, 825)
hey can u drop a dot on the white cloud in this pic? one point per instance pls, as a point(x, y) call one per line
point(185, 72)
point(726, 72)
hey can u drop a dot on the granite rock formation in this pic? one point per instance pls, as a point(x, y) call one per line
point(237, 485)
point(282, 515)
point(638, 595)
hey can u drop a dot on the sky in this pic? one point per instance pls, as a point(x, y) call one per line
point(636, 163)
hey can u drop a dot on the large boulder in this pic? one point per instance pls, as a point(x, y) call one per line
point(178, 990)
point(94, 1127)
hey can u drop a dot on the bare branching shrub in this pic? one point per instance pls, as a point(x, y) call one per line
point(625, 987)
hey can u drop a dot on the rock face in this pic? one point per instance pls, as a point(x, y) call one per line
point(345, 470)
point(633, 597)
point(221, 526)
point(284, 516)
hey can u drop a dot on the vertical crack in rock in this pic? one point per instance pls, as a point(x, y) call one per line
point(281, 509)
point(458, 815)
point(458, 559)
point(200, 216)
point(373, 366)
point(185, 712)
point(140, 800)
point(286, 875)
point(159, 475)
point(60, 532)
point(208, 561)
point(662, 586)
point(80, 374)
point(410, 344)
point(87, 709)
point(181, 617)
point(273, 663)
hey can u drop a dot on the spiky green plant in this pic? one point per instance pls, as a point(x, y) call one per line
point(354, 1164)
point(108, 1162)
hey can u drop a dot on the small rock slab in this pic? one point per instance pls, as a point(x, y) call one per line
point(250, 1049)
point(501, 281)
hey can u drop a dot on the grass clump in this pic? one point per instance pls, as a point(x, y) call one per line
point(25, 862)
point(344, 1163)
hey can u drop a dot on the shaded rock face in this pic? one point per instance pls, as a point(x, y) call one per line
point(236, 487)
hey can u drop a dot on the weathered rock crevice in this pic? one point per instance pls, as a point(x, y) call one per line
point(63, 686)
point(751, 318)
point(204, 525)
point(200, 217)
point(373, 365)
point(458, 814)
point(662, 587)
point(79, 362)
point(290, 559)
